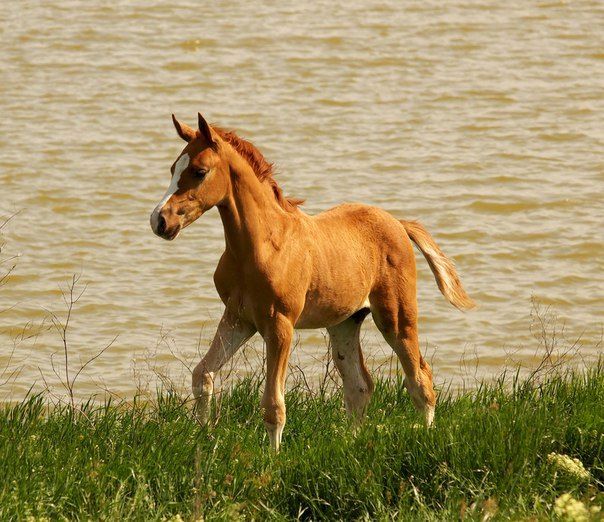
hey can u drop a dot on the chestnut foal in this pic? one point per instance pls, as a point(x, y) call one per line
point(282, 269)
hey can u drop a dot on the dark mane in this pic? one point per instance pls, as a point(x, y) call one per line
point(262, 168)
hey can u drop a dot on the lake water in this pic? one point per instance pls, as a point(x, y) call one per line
point(483, 119)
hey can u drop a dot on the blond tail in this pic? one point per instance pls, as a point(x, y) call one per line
point(444, 271)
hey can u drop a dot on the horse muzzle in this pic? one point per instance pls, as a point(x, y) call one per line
point(162, 227)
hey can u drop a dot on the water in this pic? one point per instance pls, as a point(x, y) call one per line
point(481, 118)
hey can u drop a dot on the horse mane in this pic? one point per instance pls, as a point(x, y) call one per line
point(262, 168)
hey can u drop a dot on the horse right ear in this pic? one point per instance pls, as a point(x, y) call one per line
point(206, 130)
point(184, 131)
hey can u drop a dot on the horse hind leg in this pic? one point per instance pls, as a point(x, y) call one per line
point(398, 325)
point(348, 358)
point(418, 374)
point(422, 391)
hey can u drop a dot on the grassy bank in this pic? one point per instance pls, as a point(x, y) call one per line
point(494, 453)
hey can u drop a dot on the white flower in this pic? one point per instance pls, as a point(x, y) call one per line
point(569, 509)
point(175, 518)
point(567, 467)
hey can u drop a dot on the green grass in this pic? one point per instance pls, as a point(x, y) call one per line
point(486, 457)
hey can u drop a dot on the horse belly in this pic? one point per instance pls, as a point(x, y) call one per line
point(324, 311)
point(324, 317)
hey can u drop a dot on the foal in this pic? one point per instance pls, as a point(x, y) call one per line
point(282, 269)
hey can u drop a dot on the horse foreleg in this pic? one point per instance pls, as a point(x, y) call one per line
point(230, 335)
point(278, 337)
point(348, 358)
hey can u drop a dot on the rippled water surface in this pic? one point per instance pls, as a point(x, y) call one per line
point(483, 119)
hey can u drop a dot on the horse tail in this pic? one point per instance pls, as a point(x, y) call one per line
point(443, 269)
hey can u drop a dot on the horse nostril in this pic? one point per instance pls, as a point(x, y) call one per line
point(161, 225)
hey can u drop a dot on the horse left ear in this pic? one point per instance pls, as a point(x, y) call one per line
point(206, 130)
point(184, 131)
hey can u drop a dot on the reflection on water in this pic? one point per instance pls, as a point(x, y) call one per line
point(482, 119)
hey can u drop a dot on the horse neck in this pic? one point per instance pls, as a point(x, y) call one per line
point(251, 216)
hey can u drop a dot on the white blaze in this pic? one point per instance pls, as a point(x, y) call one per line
point(179, 168)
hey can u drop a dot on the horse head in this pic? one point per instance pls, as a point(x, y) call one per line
point(200, 180)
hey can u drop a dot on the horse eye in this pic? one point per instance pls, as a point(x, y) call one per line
point(200, 173)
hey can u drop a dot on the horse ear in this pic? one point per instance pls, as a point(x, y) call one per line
point(206, 130)
point(184, 131)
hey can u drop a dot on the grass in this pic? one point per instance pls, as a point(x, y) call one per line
point(531, 449)
point(486, 458)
